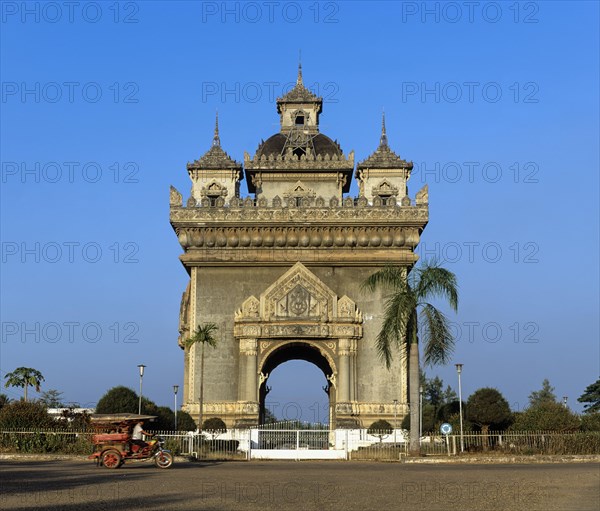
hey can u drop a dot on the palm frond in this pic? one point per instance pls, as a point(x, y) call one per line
point(436, 335)
point(389, 277)
point(433, 281)
point(204, 335)
point(397, 311)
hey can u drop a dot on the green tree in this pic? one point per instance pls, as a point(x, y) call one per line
point(591, 396)
point(545, 395)
point(52, 399)
point(214, 426)
point(380, 429)
point(24, 377)
point(406, 303)
point(185, 422)
point(433, 392)
point(546, 416)
point(449, 395)
point(429, 419)
point(119, 399)
point(204, 335)
point(487, 409)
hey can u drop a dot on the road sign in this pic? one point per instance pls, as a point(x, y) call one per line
point(446, 428)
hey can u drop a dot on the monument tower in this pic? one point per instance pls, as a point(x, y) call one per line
point(279, 271)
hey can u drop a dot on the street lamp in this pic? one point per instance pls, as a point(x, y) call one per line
point(459, 371)
point(175, 389)
point(141, 368)
point(420, 412)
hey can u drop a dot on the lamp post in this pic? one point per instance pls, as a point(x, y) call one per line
point(420, 412)
point(141, 368)
point(459, 371)
point(395, 418)
point(175, 389)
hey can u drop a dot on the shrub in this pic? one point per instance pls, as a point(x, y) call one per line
point(590, 422)
point(546, 416)
point(24, 415)
point(380, 428)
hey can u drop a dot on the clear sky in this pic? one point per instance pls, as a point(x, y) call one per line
point(103, 104)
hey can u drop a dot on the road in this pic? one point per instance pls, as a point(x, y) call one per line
point(76, 485)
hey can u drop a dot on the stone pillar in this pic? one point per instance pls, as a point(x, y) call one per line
point(353, 370)
point(248, 360)
point(343, 390)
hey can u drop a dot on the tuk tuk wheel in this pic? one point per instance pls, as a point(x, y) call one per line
point(111, 459)
point(163, 460)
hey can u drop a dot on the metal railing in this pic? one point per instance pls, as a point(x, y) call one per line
point(235, 444)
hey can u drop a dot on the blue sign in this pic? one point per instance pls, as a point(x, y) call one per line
point(446, 428)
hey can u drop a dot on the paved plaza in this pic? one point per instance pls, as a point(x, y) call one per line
point(75, 485)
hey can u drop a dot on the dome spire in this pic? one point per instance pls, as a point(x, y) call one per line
point(383, 140)
point(299, 79)
point(216, 139)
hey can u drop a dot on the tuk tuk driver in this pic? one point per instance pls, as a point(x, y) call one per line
point(136, 436)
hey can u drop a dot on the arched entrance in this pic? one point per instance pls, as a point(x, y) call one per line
point(297, 350)
point(298, 317)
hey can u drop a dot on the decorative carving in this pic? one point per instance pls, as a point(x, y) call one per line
point(191, 202)
point(248, 347)
point(346, 307)
point(332, 380)
point(384, 189)
point(422, 196)
point(184, 315)
point(175, 198)
point(298, 293)
point(214, 189)
point(262, 377)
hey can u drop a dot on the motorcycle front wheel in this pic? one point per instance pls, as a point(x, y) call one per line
point(163, 460)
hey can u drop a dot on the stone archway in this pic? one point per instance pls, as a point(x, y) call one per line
point(297, 350)
point(298, 309)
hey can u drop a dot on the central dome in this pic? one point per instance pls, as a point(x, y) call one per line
point(319, 144)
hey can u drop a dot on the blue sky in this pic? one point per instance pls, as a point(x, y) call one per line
point(102, 108)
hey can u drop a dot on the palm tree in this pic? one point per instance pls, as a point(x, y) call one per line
point(203, 335)
point(406, 303)
point(23, 377)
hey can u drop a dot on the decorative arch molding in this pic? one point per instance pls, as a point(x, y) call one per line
point(384, 189)
point(213, 189)
point(298, 305)
point(326, 350)
point(297, 310)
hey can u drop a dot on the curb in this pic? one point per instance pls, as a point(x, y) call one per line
point(533, 459)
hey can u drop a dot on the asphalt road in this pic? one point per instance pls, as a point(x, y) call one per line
point(75, 485)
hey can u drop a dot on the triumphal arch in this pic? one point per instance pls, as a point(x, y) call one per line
point(279, 269)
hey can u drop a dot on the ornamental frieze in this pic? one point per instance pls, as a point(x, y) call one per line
point(300, 237)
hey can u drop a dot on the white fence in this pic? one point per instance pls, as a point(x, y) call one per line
point(272, 443)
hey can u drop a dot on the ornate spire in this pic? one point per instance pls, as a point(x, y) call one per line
point(384, 157)
point(215, 158)
point(216, 139)
point(299, 94)
point(383, 140)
